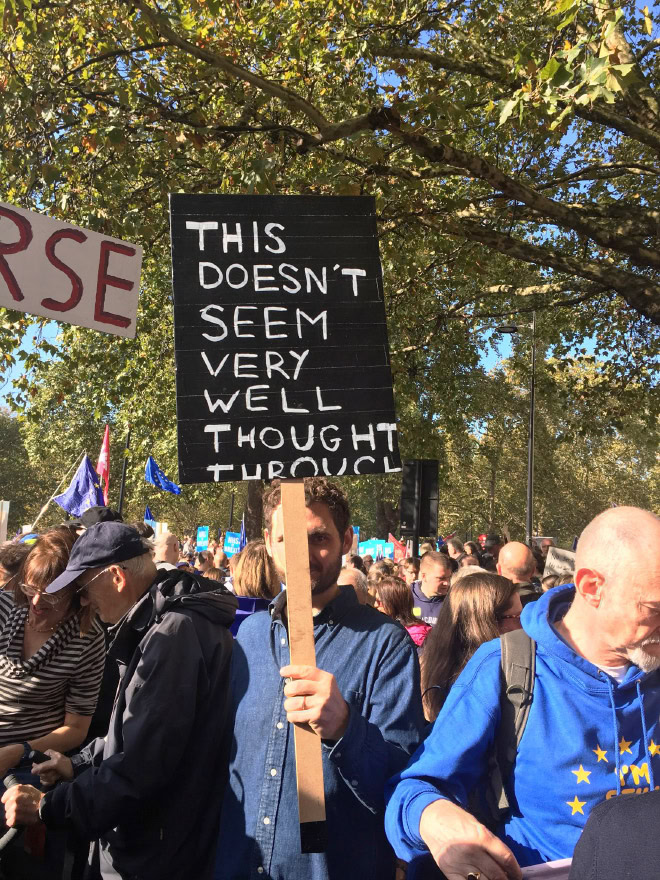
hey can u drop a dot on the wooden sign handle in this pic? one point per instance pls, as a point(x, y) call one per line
point(309, 763)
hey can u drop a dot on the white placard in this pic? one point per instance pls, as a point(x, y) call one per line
point(68, 274)
point(558, 870)
point(4, 518)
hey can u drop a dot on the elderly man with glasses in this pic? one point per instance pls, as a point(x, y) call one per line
point(150, 791)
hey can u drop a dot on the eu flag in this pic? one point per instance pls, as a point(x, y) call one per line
point(154, 475)
point(148, 516)
point(243, 538)
point(85, 490)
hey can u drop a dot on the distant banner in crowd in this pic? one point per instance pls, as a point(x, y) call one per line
point(51, 268)
point(84, 490)
point(376, 548)
point(232, 544)
point(202, 542)
point(399, 548)
point(103, 465)
point(282, 364)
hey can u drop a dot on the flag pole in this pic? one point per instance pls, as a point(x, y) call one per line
point(123, 472)
point(44, 508)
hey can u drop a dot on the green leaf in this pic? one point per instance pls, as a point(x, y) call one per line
point(507, 110)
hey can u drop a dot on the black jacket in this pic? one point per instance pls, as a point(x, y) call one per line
point(619, 841)
point(151, 791)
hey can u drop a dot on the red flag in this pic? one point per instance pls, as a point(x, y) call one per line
point(103, 467)
point(399, 548)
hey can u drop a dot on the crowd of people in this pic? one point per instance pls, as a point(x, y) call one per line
point(473, 709)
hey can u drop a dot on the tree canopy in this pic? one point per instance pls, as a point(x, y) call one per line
point(514, 159)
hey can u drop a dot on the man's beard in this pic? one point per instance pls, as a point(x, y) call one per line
point(328, 579)
point(646, 662)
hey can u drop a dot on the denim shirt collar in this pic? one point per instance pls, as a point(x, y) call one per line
point(340, 606)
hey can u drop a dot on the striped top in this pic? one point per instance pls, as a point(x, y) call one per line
point(63, 676)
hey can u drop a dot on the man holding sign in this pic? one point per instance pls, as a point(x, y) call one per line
point(362, 699)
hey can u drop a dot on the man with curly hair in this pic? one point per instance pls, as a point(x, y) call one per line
point(362, 699)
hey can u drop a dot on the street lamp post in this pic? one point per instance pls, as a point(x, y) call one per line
point(511, 329)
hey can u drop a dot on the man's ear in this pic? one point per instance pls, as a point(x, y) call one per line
point(348, 541)
point(589, 584)
point(498, 568)
point(118, 578)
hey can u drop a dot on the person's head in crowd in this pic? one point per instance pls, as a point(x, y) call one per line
point(539, 559)
point(254, 573)
point(516, 562)
point(233, 562)
point(329, 534)
point(434, 573)
point(393, 597)
point(379, 570)
point(455, 547)
point(426, 547)
point(109, 569)
point(367, 561)
point(479, 607)
point(166, 548)
point(472, 549)
point(220, 558)
point(545, 545)
point(214, 574)
point(99, 514)
point(47, 560)
point(468, 560)
point(204, 561)
point(614, 618)
point(143, 529)
point(409, 569)
point(186, 565)
point(12, 554)
point(555, 580)
point(465, 570)
point(493, 545)
point(355, 578)
point(355, 561)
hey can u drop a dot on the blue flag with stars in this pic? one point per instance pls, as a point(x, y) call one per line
point(148, 515)
point(83, 492)
point(154, 475)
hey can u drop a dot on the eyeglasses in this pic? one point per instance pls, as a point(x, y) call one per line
point(30, 591)
point(98, 575)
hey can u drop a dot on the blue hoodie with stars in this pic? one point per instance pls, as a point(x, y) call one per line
point(587, 739)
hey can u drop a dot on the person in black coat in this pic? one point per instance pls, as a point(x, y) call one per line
point(619, 840)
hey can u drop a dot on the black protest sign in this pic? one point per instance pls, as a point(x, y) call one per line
point(282, 363)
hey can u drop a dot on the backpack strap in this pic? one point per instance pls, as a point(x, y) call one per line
point(517, 674)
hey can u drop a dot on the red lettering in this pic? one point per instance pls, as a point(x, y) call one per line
point(108, 247)
point(24, 239)
point(76, 283)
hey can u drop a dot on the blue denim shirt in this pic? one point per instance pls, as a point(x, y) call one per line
point(375, 664)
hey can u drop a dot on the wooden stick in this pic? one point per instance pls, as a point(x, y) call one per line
point(309, 764)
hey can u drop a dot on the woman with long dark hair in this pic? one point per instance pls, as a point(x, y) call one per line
point(478, 607)
point(393, 597)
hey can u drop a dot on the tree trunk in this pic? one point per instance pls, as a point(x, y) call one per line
point(254, 509)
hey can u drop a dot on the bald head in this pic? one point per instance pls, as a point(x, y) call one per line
point(615, 615)
point(166, 547)
point(516, 562)
point(616, 540)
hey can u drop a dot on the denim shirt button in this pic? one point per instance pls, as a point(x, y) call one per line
point(331, 622)
point(266, 820)
point(354, 783)
point(282, 641)
point(273, 771)
point(260, 870)
point(279, 725)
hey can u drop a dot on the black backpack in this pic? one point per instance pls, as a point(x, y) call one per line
point(517, 674)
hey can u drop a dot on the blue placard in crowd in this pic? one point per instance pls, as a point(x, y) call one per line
point(232, 543)
point(370, 548)
point(356, 533)
point(202, 538)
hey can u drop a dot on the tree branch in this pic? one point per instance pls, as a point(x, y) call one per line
point(116, 53)
point(477, 167)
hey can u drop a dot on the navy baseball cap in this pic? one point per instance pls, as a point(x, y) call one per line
point(106, 543)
